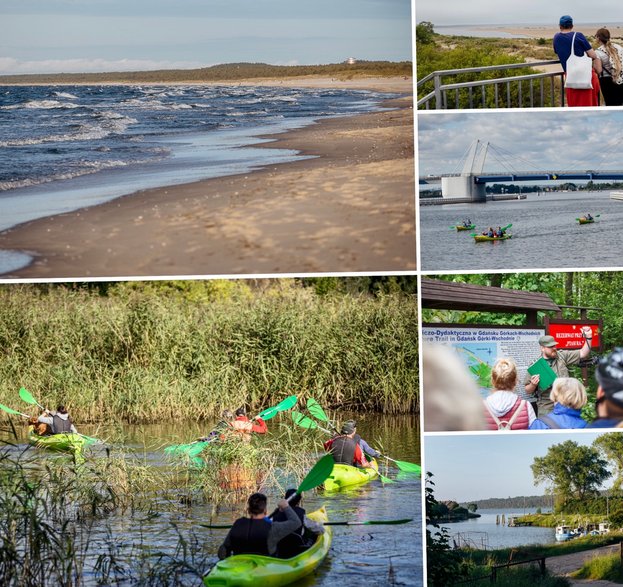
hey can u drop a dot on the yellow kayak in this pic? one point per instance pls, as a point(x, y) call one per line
point(481, 238)
point(254, 570)
point(347, 476)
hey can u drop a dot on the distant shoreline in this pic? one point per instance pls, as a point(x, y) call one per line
point(536, 31)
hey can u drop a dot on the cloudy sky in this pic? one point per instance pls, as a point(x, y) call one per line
point(447, 12)
point(40, 36)
point(544, 140)
point(466, 468)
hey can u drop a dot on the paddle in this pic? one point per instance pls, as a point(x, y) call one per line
point(12, 411)
point(305, 422)
point(26, 396)
point(405, 466)
point(368, 523)
point(199, 445)
point(317, 475)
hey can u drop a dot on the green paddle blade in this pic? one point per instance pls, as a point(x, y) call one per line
point(314, 408)
point(409, 467)
point(385, 479)
point(26, 396)
point(318, 474)
point(12, 411)
point(282, 406)
point(303, 421)
point(507, 227)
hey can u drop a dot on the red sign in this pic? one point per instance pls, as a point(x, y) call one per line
point(568, 333)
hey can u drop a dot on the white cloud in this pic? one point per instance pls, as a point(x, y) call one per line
point(10, 66)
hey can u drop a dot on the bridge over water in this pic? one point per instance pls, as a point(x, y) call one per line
point(470, 183)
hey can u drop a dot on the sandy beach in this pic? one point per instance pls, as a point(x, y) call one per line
point(548, 31)
point(349, 209)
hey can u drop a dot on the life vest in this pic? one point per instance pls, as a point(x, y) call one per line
point(293, 543)
point(60, 425)
point(343, 449)
point(250, 536)
point(516, 418)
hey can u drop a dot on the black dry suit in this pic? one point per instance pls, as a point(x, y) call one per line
point(248, 536)
point(343, 450)
point(61, 425)
point(293, 543)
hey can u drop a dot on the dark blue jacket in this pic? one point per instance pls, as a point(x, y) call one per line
point(563, 416)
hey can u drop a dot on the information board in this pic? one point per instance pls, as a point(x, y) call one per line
point(480, 347)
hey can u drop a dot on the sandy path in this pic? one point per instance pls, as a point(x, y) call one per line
point(567, 563)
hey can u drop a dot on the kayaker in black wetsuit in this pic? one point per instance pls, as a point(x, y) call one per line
point(257, 534)
point(304, 536)
point(346, 447)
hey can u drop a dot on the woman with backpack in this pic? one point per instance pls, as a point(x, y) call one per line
point(611, 77)
point(504, 409)
point(569, 397)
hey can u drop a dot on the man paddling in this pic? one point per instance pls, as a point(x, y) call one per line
point(258, 534)
point(559, 361)
point(346, 449)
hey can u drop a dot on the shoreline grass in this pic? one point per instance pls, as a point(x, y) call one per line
point(143, 356)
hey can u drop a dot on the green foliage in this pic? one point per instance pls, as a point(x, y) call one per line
point(179, 351)
point(424, 33)
point(444, 565)
point(611, 446)
point(575, 471)
point(601, 568)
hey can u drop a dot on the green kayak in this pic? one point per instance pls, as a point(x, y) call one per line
point(67, 442)
point(254, 570)
point(481, 238)
point(347, 476)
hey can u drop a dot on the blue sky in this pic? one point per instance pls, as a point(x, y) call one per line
point(40, 36)
point(472, 467)
point(545, 140)
point(446, 12)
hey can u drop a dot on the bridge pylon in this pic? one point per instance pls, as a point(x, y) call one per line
point(464, 186)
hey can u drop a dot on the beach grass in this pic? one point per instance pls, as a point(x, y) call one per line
point(608, 568)
point(148, 355)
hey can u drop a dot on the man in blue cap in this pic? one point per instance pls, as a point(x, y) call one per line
point(562, 47)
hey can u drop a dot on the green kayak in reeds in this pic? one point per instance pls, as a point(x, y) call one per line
point(347, 476)
point(481, 238)
point(254, 570)
point(66, 442)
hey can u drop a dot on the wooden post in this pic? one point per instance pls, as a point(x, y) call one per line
point(542, 565)
point(621, 554)
point(494, 575)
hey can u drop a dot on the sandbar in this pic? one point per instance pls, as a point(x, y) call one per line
point(351, 208)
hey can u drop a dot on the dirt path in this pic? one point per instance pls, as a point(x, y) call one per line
point(567, 563)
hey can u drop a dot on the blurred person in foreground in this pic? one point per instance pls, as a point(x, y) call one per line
point(450, 394)
point(609, 402)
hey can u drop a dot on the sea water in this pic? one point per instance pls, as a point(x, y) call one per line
point(67, 147)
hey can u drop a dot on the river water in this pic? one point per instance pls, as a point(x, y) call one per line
point(371, 555)
point(484, 532)
point(545, 233)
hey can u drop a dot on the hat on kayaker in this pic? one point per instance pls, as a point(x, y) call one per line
point(295, 500)
point(609, 375)
point(547, 341)
point(348, 427)
point(565, 21)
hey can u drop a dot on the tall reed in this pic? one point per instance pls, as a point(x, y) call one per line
point(144, 356)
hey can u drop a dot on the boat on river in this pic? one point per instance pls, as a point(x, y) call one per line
point(460, 227)
point(347, 476)
point(585, 220)
point(564, 533)
point(481, 238)
point(66, 442)
point(253, 570)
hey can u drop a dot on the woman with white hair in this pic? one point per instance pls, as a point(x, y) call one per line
point(569, 397)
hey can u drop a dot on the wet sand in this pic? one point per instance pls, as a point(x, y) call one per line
point(349, 209)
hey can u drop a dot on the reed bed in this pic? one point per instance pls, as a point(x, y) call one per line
point(151, 355)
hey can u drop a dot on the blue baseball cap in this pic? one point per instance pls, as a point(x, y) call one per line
point(565, 21)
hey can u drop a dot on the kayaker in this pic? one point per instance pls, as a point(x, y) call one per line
point(609, 403)
point(588, 217)
point(258, 534)
point(301, 538)
point(569, 397)
point(499, 232)
point(345, 449)
point(559, 361)
point(227, 417)
point(490, 233)
point(243, 424)
point(60, 422)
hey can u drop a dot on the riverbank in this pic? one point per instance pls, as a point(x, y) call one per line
point(349, 208)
